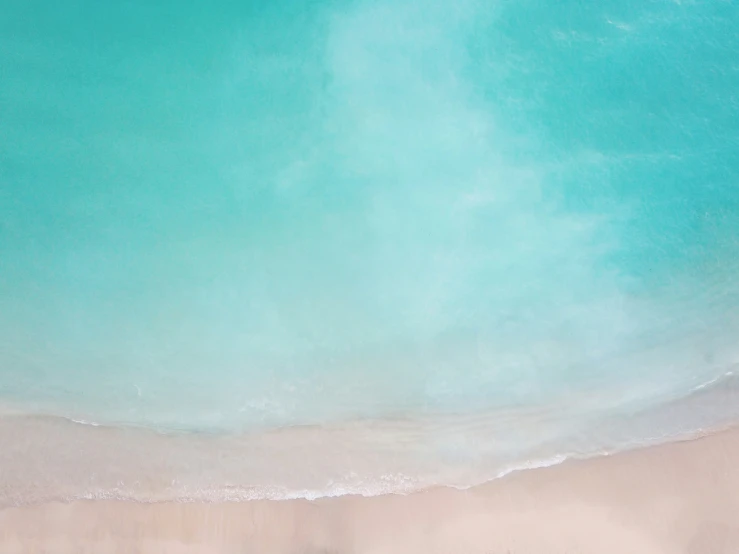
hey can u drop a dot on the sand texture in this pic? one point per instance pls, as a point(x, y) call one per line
point(680, 498)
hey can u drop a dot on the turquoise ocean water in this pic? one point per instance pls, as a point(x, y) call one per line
point(411, 241)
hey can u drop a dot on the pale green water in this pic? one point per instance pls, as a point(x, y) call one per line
point(222, 215)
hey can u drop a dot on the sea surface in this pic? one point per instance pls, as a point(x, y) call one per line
point(279, 249)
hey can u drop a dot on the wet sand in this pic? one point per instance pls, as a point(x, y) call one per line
point(679, 498)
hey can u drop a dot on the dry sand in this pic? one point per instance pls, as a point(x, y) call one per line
point(680, 498)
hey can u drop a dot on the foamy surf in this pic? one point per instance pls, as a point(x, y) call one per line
point(74, 460)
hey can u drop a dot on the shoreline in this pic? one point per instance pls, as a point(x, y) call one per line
point(673, 498)
point(50, 458)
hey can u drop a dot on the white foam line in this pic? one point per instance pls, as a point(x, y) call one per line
point(714, 380)
point(83, 422)
point(534, 464)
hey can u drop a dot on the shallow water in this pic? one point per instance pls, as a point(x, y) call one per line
point(240, 216)
point(50, 458)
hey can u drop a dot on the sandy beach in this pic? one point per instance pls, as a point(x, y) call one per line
point(679, 498)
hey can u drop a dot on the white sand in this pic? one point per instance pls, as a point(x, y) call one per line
point(680, 498)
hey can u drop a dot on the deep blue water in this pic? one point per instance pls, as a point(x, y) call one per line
point(236, 214)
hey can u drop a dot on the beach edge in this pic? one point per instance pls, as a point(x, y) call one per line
point(672, 498)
